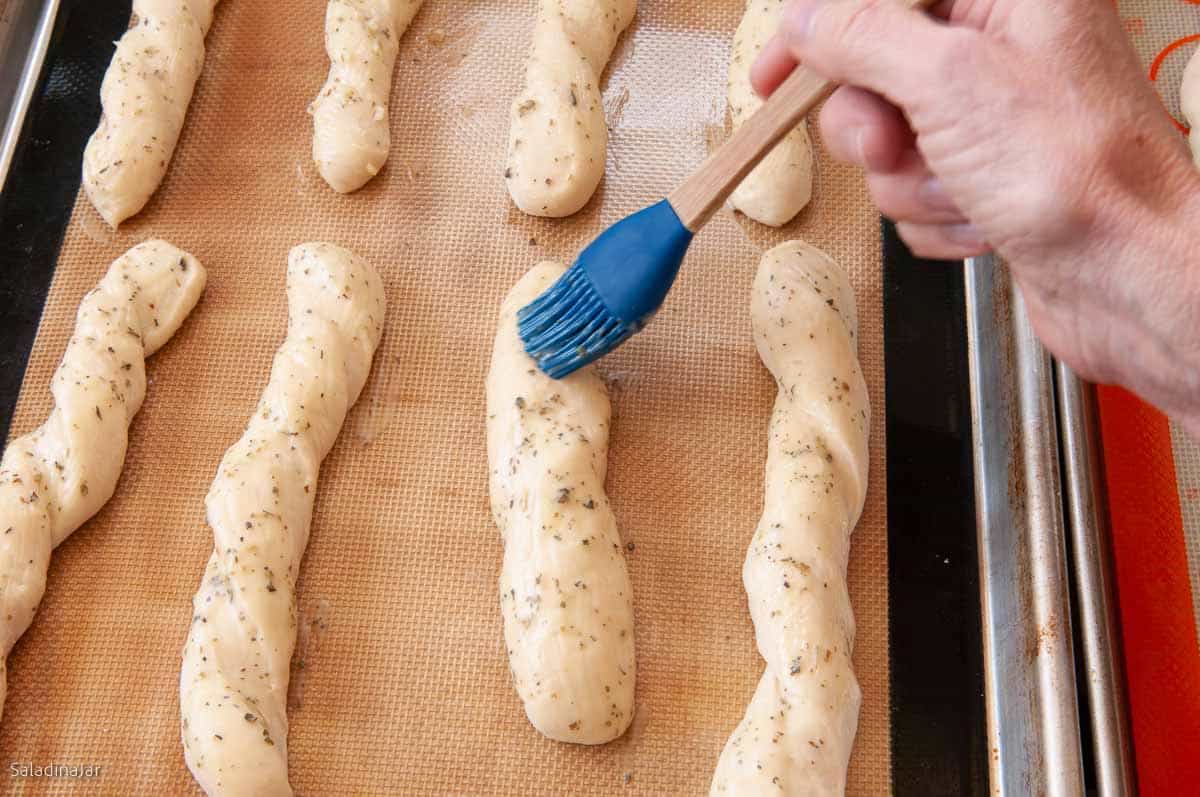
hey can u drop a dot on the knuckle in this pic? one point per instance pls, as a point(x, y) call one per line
point(855, 23)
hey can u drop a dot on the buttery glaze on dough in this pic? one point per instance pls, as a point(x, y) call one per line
point(351, 136)
point(234, 681)
point(781, 185)
point(799, 728)
point(144, 97)
point(56, 477)
point(558, 136)
point(564, 588)
point(1189, 101)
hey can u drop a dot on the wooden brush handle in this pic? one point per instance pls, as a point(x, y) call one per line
point(698, 197)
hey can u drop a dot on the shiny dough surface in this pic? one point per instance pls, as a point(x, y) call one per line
point(233, 684)
point(565, 592)
point(144, 100)
point(781, 185)
point(558, 136)
point(351, 135)
point(59, 475)
point(798, 731)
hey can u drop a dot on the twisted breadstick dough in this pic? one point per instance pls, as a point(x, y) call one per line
point(234, 682)
point(781, 185)
point(1189, 101)
point(145, 97)
point(799, 727)
point(350, 116)
point(56, 477)
point(564, 590)
point(558, 137)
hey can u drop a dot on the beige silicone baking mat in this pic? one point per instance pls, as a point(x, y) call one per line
point(405, 686)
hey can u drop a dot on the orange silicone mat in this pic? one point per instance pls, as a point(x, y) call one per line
point(400, 683)
point(1167, 35)
point(1153, 479)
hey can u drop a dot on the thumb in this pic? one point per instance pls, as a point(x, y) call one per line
point(886, 46)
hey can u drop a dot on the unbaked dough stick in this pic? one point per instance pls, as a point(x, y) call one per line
point(56, 477)
point(564, 589)
point(781, 185)
point(144, 97)
point(799, 727)
point(558, 137)
point(350, 116)
point(1189, 101)
point(234, 682)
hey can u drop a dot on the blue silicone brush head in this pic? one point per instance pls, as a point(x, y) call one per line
point(610, 292)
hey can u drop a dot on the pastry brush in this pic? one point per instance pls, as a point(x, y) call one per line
point(620, 280)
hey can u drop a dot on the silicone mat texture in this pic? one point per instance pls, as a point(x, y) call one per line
point(1167, 35)
point(1153, 474)
point(400, 681)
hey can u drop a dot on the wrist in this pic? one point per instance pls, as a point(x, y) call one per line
point(1147, 259)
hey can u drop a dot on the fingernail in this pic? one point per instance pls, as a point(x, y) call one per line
point(798, 18)
point(933, 195)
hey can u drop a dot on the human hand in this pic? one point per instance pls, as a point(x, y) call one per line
point(1025, 127)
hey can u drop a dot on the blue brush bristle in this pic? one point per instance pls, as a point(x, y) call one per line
point(568, 326)
point(612, 290)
